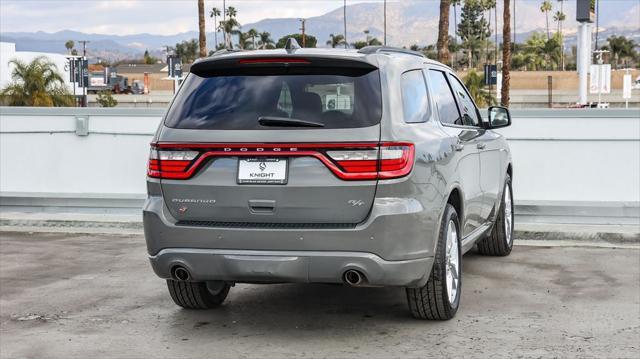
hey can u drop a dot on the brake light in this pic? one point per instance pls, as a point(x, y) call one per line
point(348, 161)
point(273, 60)
point(389, 160)
point(169, 164)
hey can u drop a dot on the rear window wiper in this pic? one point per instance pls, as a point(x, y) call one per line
point(275, 121)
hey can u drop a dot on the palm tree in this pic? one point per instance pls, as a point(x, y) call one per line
point(243, 41)
point(443, 32)
point(621, 48)
point(559, 17)
point(455, 4)
point(545, 7)
point(506, 53)
point(232, 12)
point(214, 13)
point(69, 45)
point(37, 83)
point(253, 33)
point(202, 41)
point(335, 40)
point(230, 27)
point(265, 40)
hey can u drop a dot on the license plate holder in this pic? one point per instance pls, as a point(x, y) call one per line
point(265, 170)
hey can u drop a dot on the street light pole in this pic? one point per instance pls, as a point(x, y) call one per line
point(344, 15)
point(385, 22)
point(85, 84)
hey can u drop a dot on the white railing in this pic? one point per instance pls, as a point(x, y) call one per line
point(572, 164)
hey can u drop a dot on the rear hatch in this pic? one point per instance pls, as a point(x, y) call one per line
point(274, 140)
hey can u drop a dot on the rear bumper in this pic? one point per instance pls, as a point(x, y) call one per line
point(290, 266)
point(393, 247)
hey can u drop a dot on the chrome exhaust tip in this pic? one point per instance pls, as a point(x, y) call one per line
point(353, 277)
point(180, 273)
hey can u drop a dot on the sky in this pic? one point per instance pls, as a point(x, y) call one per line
point(167, 17)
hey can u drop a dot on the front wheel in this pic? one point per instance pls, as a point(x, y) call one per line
point(440, 297)
point(500, 241)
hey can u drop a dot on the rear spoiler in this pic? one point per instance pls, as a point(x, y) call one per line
point(280, 64)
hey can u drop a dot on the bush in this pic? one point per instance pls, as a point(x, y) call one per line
point(105, 99)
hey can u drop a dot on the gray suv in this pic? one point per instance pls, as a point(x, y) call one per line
point(367, 168)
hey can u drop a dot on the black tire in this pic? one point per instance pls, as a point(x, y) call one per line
point(432, 301)
point(198, 295)
point(499, 242)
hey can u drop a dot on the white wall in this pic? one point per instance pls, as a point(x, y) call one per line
point(560, 156)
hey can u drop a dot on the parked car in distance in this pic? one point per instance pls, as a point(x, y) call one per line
point(368, 167)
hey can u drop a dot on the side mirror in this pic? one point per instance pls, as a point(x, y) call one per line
point(499, 117)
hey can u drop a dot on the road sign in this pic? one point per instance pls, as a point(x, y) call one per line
point(626, 86)
point(600, 79)
point(490, 74)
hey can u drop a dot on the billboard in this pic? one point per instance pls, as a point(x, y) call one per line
point(586, 10)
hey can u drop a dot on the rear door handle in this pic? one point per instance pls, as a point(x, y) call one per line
point(459, 147)
point(481, 146)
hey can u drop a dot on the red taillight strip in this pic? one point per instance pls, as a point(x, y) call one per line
point(242, 150)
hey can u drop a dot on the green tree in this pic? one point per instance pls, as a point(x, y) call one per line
point(473, 28)
point(187, 50)
point(148, 59)
point(244, 42)
point(545, 7)
point(37, 83)
point(453, 45)
point(430, 51)
point(230, 27)
point(312, 41)
point(266, 42)
point(253, 33)
point(69, 45)
point(335, 40)
point(106, 99)
point(475, 84)
point(370, 40)
point(622, 49)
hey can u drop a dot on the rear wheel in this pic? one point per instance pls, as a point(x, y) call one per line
point(500, 241)
point(198, 295)
point(440, 297)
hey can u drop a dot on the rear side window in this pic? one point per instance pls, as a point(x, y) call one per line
point(415, 101)
point(444, 98)
point(469, 112)
point(236, 102)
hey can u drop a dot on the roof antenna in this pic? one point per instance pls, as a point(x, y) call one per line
point(291, 45)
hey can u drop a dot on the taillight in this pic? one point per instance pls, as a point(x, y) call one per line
point(170, 164)
point(348, 161)
point(389, 160)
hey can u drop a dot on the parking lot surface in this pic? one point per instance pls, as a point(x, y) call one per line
point(94, 296)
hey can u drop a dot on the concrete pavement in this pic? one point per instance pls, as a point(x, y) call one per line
point(75, 295)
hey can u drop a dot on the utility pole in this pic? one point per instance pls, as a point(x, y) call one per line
point(84, 69)
point(344, 15)
point(304, 37)
point(385, 22)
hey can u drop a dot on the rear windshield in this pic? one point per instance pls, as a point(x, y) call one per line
point(236, 102)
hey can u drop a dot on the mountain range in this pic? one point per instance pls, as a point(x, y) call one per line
point(408, 23)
